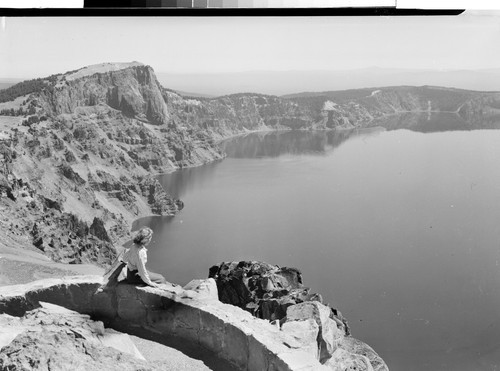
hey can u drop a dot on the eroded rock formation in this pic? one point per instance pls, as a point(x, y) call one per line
point(264, 290)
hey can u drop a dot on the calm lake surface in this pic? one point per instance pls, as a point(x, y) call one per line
point(400, 230)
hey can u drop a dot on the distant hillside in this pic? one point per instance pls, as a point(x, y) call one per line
point(369, 107)
point(423, 98)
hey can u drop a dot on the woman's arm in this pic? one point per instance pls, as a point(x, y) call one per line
point(141, 267)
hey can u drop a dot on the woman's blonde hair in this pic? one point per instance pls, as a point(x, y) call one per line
point(143, 235)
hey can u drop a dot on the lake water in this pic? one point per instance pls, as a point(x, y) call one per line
point(400, 230)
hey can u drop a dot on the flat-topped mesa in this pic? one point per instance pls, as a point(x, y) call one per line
point(131, 88)
point(99, 68)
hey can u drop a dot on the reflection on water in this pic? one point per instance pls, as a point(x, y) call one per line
point(260, 145)
point(429, 122)
point(180, 182)
point(278, 143)
point(425, 122)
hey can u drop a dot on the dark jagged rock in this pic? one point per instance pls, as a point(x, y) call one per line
point(161, 202)
point(97, 229)
point(52, 204)
point(5, 187)
point(70, 174)
point(264, 290)
point(66, 238)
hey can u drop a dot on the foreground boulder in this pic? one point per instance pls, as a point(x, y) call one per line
point(329, 337)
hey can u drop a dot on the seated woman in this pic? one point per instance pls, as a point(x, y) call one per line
point(136, 257)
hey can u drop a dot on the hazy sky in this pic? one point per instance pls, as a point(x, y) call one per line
point(36, 47)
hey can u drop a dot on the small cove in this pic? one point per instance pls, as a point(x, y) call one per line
point(400, 230)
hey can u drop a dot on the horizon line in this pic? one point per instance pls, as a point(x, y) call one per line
point(402, 69)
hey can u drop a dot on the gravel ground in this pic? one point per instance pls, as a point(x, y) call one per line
point(169, 359)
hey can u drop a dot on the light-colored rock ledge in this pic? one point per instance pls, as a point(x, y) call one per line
point(228, 332)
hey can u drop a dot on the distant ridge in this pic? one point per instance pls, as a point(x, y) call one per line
point(357, 93)
point(193, 95)
point(289, 82)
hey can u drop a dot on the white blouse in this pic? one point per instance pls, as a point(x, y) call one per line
point(136, 258)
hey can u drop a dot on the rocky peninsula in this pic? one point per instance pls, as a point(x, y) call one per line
point(78, 155)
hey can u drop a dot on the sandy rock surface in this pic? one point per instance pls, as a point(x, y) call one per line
point(55, 338)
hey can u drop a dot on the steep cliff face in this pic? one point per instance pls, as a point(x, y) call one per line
point(239, 113)
point(133, 90)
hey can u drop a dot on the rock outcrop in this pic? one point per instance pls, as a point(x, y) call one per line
point(263, 289)
point(54, 338)
point(278, 294)
point(160, 202)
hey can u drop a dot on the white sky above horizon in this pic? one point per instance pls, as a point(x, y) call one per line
point(36, 47)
